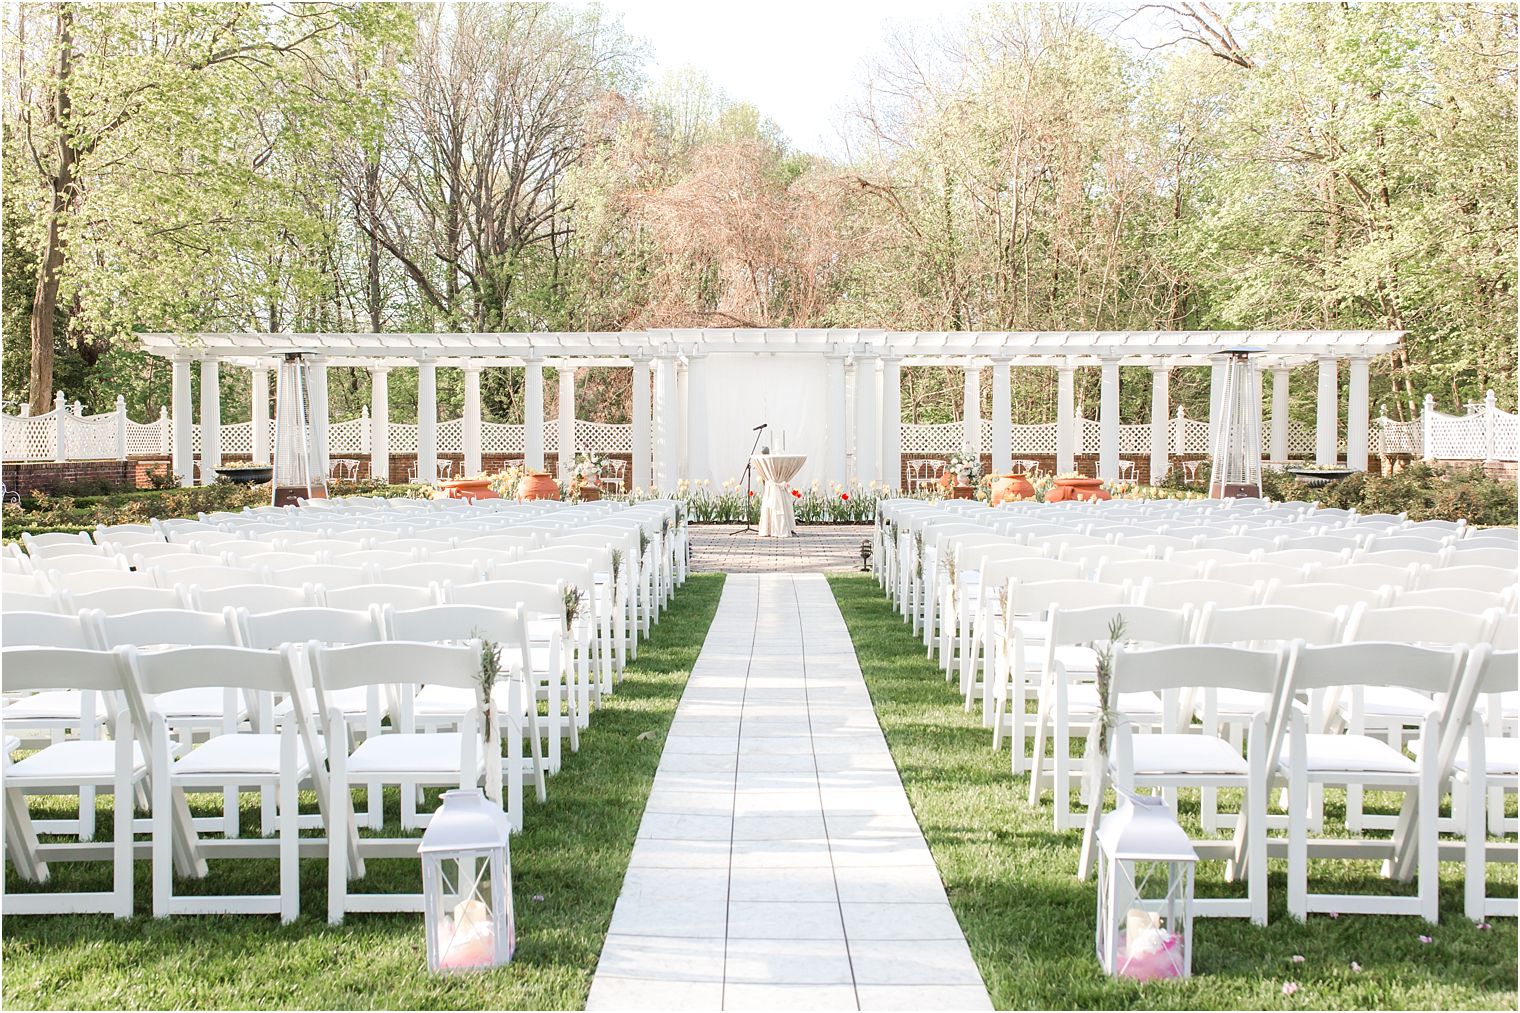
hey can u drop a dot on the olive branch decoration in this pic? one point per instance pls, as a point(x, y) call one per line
point(1108, 717)
point(490, 671)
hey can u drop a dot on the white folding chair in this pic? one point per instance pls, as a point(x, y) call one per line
point(75, 765)
point(401, 756)
point(363, 596)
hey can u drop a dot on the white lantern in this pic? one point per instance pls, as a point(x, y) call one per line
point(1145, 891)
point(467, 884)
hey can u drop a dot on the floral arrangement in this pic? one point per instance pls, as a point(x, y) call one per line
point(490, 671)
point(573, 599)
point(967, 467)
point(1105, 672)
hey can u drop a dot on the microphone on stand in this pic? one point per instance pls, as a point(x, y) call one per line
point(759, 427)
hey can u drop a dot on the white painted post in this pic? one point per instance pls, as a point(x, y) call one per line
point(1490, 417)
point(211, 420)
point(971, 408)
point(26, 410)
point(1427, 449)
point(78, 408)
point(1358, 412)
point(1066, 419)
point(1217, 366)
point(533, 412)
point(470, 436)
point(667, 425)
point(427, 421)
point(566, 448)
point(891, 421)
point(1161, 411)
point(365, 426)
point(1108, 421)
point(642, 445)
point(165, 444)
point(260, 415)
point(836, 430)
point(1326, 415)
point(867, 422)
point(182, 440)
point(1002, 419)
point(60, 424)
point(121, 427)
point(1180, 446)
point(1279, 445)
point(380, 423)
point(697, 413)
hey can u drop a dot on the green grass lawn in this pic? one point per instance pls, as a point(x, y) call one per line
point(568, 867)
point(1011, 880)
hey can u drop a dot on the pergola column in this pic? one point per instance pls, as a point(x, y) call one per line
point(683, 394)
point(427, 421)
point(835, 429)
point(1216, 399)
point(641, 441)
point(1066, 419)
point(533, 412)
point(182, 448)
point(259, 413)
point(566, 371)
point(1357, 412)
point(1161, 413)
point(1108, 422)
point(380, 423)
point(971, 408)
point(696, 414)
point(470, 430)
point(1278, 449)
point(867, 424)
point(891, 421)
point(1002, 418)
point(1327, 412)
point(211, 420)
point(667, 429)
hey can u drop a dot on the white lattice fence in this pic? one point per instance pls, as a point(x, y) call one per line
point(941, 438)
point(350, 437)
point(496, 438)
point(31, 437)
point(148, 438)
point(1039, 439)
point(403, 438)
point(1506, 436)
point(1390, 436)
point(603, 437)
point(91, 438)
point(1457, 437)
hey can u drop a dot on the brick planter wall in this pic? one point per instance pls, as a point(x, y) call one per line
point(1086, 464)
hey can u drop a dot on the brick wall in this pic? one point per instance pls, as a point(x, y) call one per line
point(1086, 464)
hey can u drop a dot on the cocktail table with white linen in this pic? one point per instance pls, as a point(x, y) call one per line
point(776, 518)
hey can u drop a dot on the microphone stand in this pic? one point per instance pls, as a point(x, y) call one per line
point(749, 475)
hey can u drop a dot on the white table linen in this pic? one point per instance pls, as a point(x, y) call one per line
point(777, 470)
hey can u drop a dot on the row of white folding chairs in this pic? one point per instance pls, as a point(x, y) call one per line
point(144, 757)
point(1283, 749)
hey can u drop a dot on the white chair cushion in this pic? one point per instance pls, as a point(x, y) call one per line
point(1390, 702)
point(1186, 754)
point(409, 755)
point(49, 705)
point(76, 762)
point(1350, 753)
point(1083, 699)
point(1500, 756)
point(201, 702)
point(237, 754)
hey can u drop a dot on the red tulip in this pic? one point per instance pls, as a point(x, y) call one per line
point(845, 496)
point(796, 493)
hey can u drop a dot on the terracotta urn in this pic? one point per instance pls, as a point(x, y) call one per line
point(1076, 489)
point(468, 488)
point(1007, 487)
point(538, 485)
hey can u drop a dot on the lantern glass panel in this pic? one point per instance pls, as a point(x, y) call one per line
point(1145, 921)
point(469, 910)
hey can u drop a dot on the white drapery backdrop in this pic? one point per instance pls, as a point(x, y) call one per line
point(744, 390)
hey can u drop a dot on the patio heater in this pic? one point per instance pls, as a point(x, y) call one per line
point(1236, 468)
point(296, 472)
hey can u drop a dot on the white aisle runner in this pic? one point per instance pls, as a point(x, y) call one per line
point(779, 864)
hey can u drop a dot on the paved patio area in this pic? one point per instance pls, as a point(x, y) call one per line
point(779, 865)
point(815, 548)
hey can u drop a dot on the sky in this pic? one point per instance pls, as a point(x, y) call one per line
point(801, 64)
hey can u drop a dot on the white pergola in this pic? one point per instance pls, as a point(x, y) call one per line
point(695, 389)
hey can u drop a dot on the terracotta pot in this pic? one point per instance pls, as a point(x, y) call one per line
point(590, 493)
point(468, 488)
point(963, 492)
point(1076, 489)
point(539, 486)
point(1006, 487)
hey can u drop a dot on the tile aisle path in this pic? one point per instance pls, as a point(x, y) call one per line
point(778, 864)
